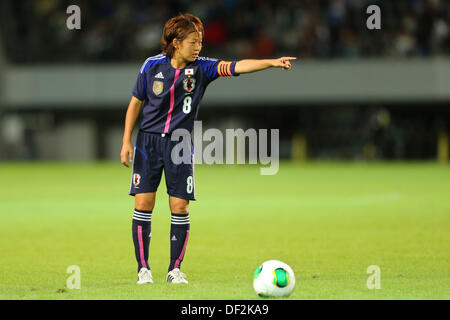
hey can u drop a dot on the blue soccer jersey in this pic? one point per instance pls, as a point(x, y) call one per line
point(170, 96)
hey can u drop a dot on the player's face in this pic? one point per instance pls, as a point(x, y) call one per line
point(190, 48)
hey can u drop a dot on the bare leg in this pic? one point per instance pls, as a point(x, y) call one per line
point(145, 201)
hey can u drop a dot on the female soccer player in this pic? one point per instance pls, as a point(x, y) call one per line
point(168, 89)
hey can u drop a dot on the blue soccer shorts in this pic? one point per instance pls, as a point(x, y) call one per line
point(152, 154)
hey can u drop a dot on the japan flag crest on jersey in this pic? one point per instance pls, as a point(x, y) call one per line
point(189, 84)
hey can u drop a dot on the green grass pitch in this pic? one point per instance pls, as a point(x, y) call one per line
point(328, 221)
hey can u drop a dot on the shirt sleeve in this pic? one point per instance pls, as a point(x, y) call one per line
point(140, 87)
point(218, 68)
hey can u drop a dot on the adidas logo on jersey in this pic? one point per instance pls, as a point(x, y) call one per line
point(174, 238)
point(159, 76)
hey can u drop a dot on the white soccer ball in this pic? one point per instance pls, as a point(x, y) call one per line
point(273, 279)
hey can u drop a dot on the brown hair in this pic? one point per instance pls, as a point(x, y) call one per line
point(179, 28)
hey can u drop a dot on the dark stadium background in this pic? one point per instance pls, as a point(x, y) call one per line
point(406, 119)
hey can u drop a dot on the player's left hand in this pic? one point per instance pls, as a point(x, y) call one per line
point(284, 62)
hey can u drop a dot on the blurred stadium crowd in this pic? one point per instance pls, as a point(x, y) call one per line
point(114, 31)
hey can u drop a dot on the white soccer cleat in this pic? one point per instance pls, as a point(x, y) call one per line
point(176, 276)
point(144, 276)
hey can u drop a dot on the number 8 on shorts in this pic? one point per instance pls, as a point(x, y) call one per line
point(189, 184)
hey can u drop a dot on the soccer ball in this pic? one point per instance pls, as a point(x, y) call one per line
point(273, 279)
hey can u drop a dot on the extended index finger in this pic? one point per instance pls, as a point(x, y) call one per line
point(290, 58)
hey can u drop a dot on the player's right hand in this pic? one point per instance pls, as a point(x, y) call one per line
point(126, 155)
point(284, 62)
